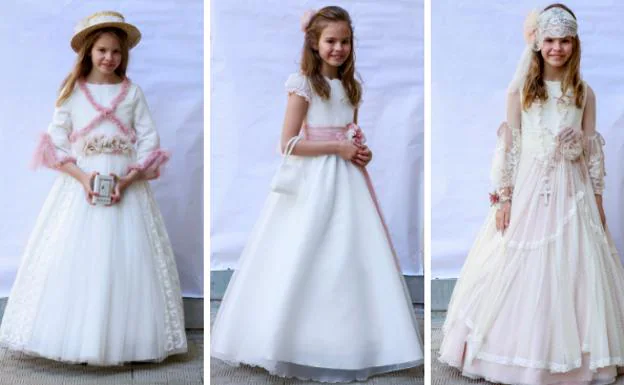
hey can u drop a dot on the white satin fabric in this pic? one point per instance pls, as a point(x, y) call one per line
point(317, 293)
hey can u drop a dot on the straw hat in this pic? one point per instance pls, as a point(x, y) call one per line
point(101, 20)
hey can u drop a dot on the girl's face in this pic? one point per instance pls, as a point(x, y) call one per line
point(557, 51)
point(335, 43)
point(106, 54)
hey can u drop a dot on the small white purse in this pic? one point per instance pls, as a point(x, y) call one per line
point(288, 177)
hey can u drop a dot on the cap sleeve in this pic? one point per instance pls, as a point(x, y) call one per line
point(298, 84)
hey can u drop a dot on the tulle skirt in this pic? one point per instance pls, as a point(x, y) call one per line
point(317, 293)
point(96, 284)
point(543, 303)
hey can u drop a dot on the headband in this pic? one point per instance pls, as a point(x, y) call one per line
point(554, 22)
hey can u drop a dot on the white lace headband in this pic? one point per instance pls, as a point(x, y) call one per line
point(554, 22)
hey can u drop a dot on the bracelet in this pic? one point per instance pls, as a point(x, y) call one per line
point(497, 199)
point(504, 198)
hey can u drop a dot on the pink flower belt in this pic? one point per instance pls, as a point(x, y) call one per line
point(321, 133)
point(355, 134)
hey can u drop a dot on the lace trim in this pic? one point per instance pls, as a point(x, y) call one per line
point(510, 156)
point(298, 84)
point(595, 163)
point(175, 337)
point(473, 345)
point(19, 315)
point(298, 91)
point(33, 353)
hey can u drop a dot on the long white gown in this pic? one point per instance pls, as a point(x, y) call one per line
point(97, 284)
point(317, 293)
point(543, 303)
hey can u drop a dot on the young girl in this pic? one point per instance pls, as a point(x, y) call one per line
point(98, 284)
point(540, 299)
point(318, 293)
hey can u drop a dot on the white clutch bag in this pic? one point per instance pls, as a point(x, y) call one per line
point(288, 177)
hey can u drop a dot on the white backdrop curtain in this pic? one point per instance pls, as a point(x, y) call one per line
point(255, 46)
point(475, 48)
point(167, 64)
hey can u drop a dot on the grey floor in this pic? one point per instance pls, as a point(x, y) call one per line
point(188, 369)
point(222, 374)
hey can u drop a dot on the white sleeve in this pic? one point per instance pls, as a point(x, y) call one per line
point(298, 84)
point(54, 148)
point(150, 157)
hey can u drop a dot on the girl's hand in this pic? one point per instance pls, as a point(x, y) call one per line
point(120, 186)
point(347, 150)
point(86, 180)
point(363, 156)
point(150, 174)
point(503, 215)
point(568, 135)
point(603, 217)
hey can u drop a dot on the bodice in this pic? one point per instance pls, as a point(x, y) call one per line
point(543, 121)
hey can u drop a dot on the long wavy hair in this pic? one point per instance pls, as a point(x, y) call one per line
point(311, 62)
point(535, 87)
point(84, 65)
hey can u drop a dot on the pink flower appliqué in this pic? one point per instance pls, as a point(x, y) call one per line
point(530, 27)
point(306, 18)
point(355, 134)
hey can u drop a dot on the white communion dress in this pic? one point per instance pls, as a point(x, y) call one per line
point(318, 293)
point(98, 284)
point(542, 303)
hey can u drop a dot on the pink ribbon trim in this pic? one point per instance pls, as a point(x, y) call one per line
point(153, 162)
point(371, 190)
point(45, 154)
point(106, 113)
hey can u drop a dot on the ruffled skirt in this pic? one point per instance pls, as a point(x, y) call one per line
point(543, 303)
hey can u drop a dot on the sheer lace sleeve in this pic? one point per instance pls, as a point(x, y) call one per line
point(507, 154)
point(592, 144)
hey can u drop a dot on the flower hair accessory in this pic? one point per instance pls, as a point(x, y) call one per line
point(530, 27)
point(306, 18)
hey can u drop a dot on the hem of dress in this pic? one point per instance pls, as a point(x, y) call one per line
point(491, 379)
point(333, 376)
point(519, 362)
point(32, 353)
